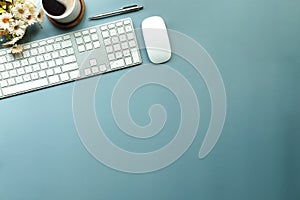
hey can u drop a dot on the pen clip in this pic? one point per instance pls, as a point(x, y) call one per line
point(132, 6)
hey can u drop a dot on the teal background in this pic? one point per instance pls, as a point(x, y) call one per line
point(256, 46)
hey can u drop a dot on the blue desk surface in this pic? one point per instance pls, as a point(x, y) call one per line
point(256, 46)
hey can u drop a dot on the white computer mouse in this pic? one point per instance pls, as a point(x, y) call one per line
point(156, 39)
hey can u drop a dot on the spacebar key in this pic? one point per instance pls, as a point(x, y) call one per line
point(25, 86)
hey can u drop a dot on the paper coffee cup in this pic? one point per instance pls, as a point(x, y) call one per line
point(62, 11)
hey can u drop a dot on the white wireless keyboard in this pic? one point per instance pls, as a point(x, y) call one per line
point(69, 57)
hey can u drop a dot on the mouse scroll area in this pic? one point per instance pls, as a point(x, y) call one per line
point(156, 39)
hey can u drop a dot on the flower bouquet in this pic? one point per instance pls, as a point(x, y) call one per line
point(15, 17)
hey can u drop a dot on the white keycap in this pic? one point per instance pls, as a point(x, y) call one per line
point(3, 83)
point(102, 68)
point(19, 79)
point(25, 86)
point(49, 72)
point(96, 44)
point(69, 67)
point(128, 61)
point(86, 39)
point(11, 81)
point(117, 64)
point(89, 46)
point(26, 78)
point(93, 30)
point(95, 70)
point(34, 76)
point(51, 63)
point(105, 34)
point(69, 59)
point(87, 72)
point(5, 75)
point(20, 71)
point(93, 62)
point(53, 79)
point(81, 48)
point(95, 37)
point(135, 55)
point(57, 70)
point(64, 77)
point(42, 74)
point(28, 69)
point(79, 41)
point(128, 28)
point(74, 74)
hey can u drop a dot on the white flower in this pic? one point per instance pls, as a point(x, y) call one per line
point(30, 6)
point(40, 16)
point(12, 42)
point(30, 20)
point(17, 28)
point(5, 19)
point(16, 49)
point(20, 11)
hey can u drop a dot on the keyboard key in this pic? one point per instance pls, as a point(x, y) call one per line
point(69, 67)
point(25, 86)
point(117, 64)
point(135, 55)
point(34, 76)
point(74, 74)
point(50, 41)
point(49, 48)
point(105, 34)
point(66, 37)
point(93, 62)
point(81, 48)
point(87, 72)
point(49, 72)
point(128, 61)
point(95, 37)
point(69, 59)
point(96, 44)
point(19, 79)
point(77, 34)
point(9, 66)
point(64, 77)
point(36, 67)
point(20, 71)
point(3, 83)
point(66, 44)
point(79, 41)
point(85, 32)
point(51, 63)
point(13, 73)
point(128, 28)
point(95, 70)
point(4, 75)
point(53, 79)
point(87, 39)
point(57, 70)
point(26, 78)
point(102, 68)
point(42, 74)
point(89, 46)
point(32, 60)
point(28, 69)
point(11, 81)
point(93, 30)
point(132, 43)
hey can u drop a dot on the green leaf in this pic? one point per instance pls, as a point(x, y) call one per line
point(2, 10)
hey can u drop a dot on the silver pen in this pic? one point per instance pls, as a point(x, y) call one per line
point(120, 11)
